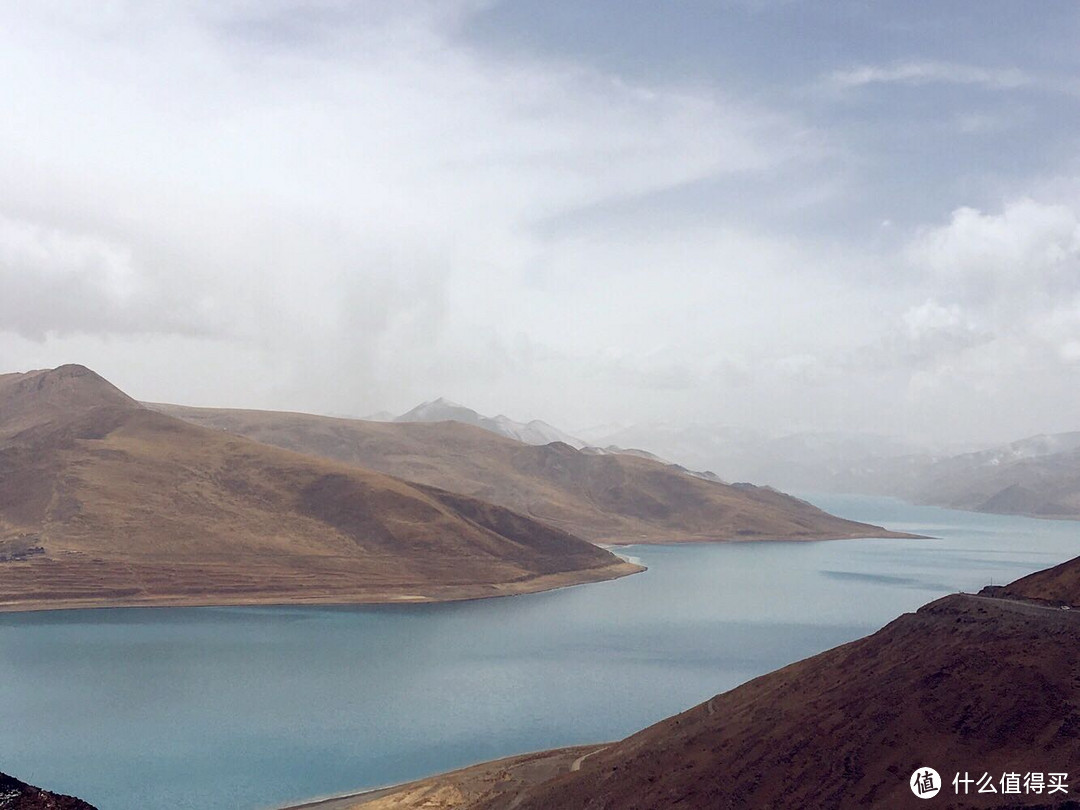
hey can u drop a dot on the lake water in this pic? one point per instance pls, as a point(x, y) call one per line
point(249, 708)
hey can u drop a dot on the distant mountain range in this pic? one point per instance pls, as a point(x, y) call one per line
point(1038, 476)
point(810, 461)
point(604, 497)
point(534, 432)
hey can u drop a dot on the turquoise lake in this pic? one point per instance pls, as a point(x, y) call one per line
point(251, 708)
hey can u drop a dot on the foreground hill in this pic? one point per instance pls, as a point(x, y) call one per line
point(1057, 586)
point(103, 501)
point(16, 795)
point(604, 498)
point(967, 685)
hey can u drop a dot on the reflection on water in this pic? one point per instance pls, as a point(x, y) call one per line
point(251, 707)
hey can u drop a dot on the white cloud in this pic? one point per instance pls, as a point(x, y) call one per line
point(57, 281)
point(1003, 320)
point(349, 201)
point(337, 186)
point(1028, 254)
point(930, 72)
point(932, 322)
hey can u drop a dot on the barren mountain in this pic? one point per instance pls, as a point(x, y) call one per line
point(16, 795)
point(105, 501)
point(1038, 476)
point(1057, 586)
point(968, 685)
point(611, 498)
point(813, 461)
point(534, 432)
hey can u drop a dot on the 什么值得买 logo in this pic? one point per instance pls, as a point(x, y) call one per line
point(925, 782)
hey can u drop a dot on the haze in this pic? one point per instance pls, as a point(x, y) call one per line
point(778, 215)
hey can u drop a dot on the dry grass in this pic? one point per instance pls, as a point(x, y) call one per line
point(132, 506)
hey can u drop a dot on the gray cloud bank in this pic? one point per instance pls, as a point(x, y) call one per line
point(343, 207)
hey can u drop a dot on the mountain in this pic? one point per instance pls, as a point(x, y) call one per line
point(534, 432)
point(610, 498)
point(105, 501)
point(808, 461)
point(968, 685)
point(16, 795)
point(39, 397)
point(1057, 586)
point(1037, 476)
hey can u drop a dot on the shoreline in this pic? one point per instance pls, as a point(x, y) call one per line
point(556, 760)
point(884, 534)
point(415, 596)
point(433, 595)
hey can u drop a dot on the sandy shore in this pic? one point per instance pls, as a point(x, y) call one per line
point(417, 595)
point(466, 785)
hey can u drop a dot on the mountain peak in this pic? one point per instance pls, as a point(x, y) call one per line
point(535, 432)
point(34, 397)
point(440, 410)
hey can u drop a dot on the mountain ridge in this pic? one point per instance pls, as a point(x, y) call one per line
point(104, 501)
point(532, 432)
point(608, 498)
point(17, 795)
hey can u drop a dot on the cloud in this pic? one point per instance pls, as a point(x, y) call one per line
point(931, 318)
point(337, 186)
point(930, 72)
point(341, 206)
point(1028, 255)
point(1001, 316)
point(57, 281)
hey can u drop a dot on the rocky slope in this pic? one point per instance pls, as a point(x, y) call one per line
point(103, 501)
point(16, 795)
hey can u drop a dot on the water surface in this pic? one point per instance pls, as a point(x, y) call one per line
point(249, 708)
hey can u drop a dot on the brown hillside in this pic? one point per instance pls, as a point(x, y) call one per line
point(967, 684)
point(103, 501)
point(1059, 585)
point(604, 498)
point(16, 795)
point(39, 397)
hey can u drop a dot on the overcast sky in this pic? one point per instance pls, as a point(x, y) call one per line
point(777, 214)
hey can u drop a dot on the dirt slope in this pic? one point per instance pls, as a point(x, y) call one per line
point(16, 795)
point(604, 498)
point(103, 501)
point(1059, 585)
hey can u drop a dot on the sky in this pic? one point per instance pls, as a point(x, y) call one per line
point(781, 215)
